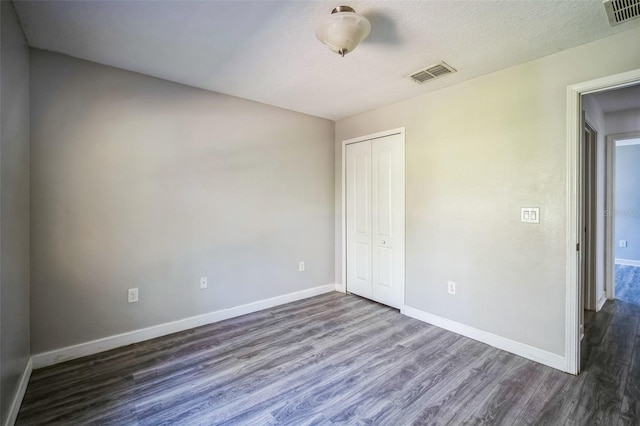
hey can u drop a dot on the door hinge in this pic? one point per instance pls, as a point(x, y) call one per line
point(578, 247)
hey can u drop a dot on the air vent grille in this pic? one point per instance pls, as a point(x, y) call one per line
point(619, 11)
point(431, 72)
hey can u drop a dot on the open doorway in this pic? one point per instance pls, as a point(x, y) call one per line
point(609, 230)
point(590, 238)
point(576, 102)
point(626, 215)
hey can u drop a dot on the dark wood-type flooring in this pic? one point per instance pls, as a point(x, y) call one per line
point(628, 284)
point(338, 358)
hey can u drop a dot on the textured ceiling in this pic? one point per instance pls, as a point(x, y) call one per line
point(267, 51)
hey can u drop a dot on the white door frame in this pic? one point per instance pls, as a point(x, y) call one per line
point(573, 204)
point(609, 208)
point(591, 302)
point(343, 217)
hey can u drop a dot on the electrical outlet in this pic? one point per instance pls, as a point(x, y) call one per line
point(451, 287)
point(300, 266)
point(132, 295)
point(623, 243)
point(203, 283)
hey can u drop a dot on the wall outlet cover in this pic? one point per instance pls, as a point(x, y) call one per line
point(132, 295)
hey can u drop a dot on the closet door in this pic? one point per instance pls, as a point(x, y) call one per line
point(358, 206)
point(387, 197)
point(375, 219)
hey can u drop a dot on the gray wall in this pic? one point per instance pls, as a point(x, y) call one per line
point(140, 182)
point(627, 192)
point(476, 153)
point(14, 206)
point(595, 118)
point(625, 121)
point(627, 198)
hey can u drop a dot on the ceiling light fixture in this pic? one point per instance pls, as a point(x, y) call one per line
point(343, 30)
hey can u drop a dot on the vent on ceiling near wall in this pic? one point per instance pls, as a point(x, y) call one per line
point(429, 73)
point(619, 11)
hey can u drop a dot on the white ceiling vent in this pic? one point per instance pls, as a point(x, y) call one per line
point(620, 11)
point(431, 72)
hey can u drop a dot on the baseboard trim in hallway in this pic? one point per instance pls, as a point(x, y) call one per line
point(601, 301)
point(627, 262)
point(17, 400)
point(550, 359)
point(57, 356)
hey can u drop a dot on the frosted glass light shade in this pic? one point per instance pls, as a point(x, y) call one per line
point(342, 31)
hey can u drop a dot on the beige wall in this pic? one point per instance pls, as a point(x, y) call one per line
point(14, 206)
point(139, 182)
point(475, 153)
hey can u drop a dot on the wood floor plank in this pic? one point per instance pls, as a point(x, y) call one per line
point(550, 404)
point(106, 402)
point(340, 359)
point(595, 401)
point(226, 391)
point(373, 379)
point(616, 344)
point(600, 398)
point(621, 308)
point(595, 331)
point(630, 410)
point(596, 396)
point(307, 375)
point(466, 390)
point(504, 403)
point(233, 346)
point(426, 368)
point(239, 331)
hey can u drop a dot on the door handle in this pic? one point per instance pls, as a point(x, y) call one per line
point(384, 242)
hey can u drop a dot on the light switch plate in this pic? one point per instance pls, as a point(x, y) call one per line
point(530, 215)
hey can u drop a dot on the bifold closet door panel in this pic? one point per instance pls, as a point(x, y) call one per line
point(358, 208)
point(387, 197)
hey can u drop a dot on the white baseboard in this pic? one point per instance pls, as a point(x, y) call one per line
point(550, 359)
point(93, 347)
point(341, 288)
point(17, 400)
point(601, 300)
point(627, 262)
